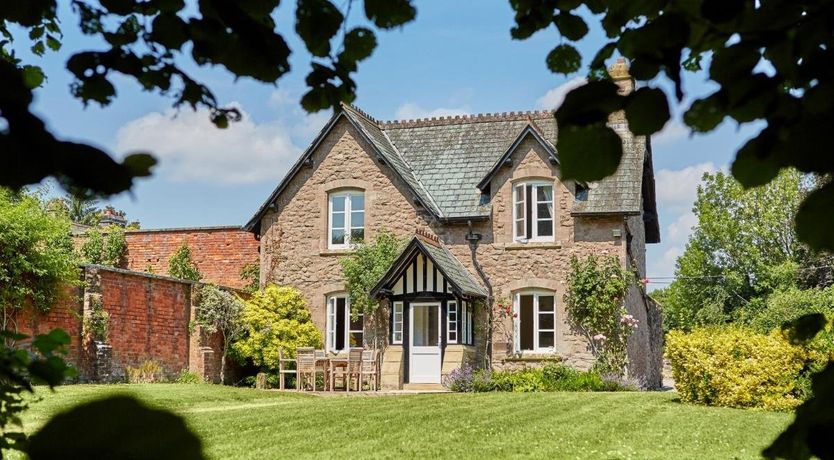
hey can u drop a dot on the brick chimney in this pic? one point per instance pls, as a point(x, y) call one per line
point(621, 77)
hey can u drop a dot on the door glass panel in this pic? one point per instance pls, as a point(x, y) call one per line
point(526, 322)
point(338, 237)
point(546, 339)
point(338, 220)
point(545, 303)
point(357, 202)
point(425, 326)
point(545, 320)
point(545, 228)
point(357, 219)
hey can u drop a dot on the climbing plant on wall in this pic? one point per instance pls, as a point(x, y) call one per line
point(182, 265)
point(595, 308)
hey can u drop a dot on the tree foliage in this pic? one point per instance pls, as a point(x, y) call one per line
point(594, 303)
point(148, 42)
point(365, 266)
point(107, 247)
point(181, 264)
point(251, 274)
point(37, 260)
point(769, 61)
point(275, 319)
point(743, 249)
point(220, 311)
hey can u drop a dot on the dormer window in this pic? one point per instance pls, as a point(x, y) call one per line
point(346, 223)
point(533, 216)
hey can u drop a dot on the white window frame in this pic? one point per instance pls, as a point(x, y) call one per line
point(452, 322)
point(348, 212)
point(397, 333)
point(534, 227)
point(468, 320)
point(332, 323)
point(517, 321)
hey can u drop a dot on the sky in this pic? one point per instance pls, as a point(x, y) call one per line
point(455, 58)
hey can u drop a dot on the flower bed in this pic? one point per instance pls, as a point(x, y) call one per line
point(551, 377)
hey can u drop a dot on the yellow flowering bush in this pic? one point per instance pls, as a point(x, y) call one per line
point(274, 319)
point(735, 367)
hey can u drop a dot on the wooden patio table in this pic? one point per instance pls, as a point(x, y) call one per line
point(337, 362)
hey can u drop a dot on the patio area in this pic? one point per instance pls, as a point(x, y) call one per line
point(317, 371)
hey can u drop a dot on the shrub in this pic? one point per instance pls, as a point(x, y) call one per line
point(736, 367)
point(275, 319)
point(552, 377)
point(181, 264)
point(187, 376)
point(148, 372)
point(789, 304)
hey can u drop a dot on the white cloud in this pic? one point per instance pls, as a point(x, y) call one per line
point(553, 98)
point(190, 148)
point(411, 111)
point(671, 133)
point(676, 189)
point(678, 231)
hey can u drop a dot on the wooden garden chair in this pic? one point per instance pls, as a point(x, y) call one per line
point(351, 370)
point(369, 368)
point(306, 366)
point(283, 370)
point(323, 366)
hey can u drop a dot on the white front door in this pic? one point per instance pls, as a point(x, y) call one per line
point(424, 358)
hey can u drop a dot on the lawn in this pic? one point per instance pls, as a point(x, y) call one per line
point(251, 424)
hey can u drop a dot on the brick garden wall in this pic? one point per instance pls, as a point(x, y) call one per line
point(149, 317)
point(219, 252)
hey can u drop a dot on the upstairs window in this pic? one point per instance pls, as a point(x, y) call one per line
point(346, 223)
point(344, 330)
point(533, 217)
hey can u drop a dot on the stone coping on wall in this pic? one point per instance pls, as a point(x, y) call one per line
point(187, 229)
point(153, 276)
point(533, 245)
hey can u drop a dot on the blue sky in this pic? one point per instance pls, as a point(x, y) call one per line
point(457, 57)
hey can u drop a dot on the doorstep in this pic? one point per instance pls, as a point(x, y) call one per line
point(423, 387)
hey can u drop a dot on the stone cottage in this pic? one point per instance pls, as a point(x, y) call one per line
point(488, 219)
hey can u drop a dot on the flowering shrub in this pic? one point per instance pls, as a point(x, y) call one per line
point(595, 309)
point(738, 368)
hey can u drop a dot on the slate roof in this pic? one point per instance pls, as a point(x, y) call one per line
point(444, 160)
point(458, 276)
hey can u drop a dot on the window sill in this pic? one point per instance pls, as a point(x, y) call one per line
point(335, 252)
point(515, 245)
point(527, 356)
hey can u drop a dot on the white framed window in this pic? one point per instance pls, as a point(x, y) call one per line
point(533, 215)
point(468, 321)
point(452, 322)
point(344, 330)
point(397, 335)
point(346, 218)
point(465, 324)
point(534, 318)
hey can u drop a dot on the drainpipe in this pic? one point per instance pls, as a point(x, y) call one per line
point(473, 239)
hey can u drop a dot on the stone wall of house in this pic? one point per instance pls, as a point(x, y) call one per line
point(294, 234)
point(294, 238)
point(149, 317)
point(219, 252)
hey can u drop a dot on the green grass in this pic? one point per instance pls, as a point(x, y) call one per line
point(246, 423)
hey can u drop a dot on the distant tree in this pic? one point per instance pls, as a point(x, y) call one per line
point(275, 319)
point(37, 261)
point(104, 246)
point(220, 311)
point(743, 248)
point(181, 264)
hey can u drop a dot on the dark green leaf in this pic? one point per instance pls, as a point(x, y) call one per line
point(116, 427)
point(754, 165)
point(359, 44)
point(720, 11)
point(564, 59)
point(812, 217)
point(804, 328)
point(169, 30)
point(589, 104)
point(317, 22)
point(33, 76)
point(139, 164)
point(390, 13)
point(706, 114)
point(588, 153)
point(734, 62)
point(647, 111)
point(571, 26)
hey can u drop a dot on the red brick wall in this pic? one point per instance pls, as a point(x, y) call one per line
point(220, 253)
point(148, 320)
point(66, 314)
